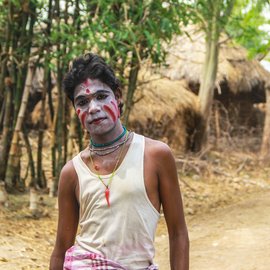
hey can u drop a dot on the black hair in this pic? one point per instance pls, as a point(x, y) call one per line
point(90, 66)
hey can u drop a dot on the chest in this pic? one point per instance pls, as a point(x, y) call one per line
point(133, 172)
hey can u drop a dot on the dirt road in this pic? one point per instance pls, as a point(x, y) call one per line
point(236, 237)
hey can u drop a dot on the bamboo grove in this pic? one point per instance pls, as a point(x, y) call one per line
point(43, 36)
point(46, 35)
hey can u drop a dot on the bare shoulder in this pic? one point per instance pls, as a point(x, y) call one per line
point(157, 149)
point(68, 176)
point(159, 154)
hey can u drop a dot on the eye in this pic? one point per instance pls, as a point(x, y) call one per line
point(101, 96)
point(82, 102)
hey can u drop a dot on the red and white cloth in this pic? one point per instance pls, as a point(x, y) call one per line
point(78, 259)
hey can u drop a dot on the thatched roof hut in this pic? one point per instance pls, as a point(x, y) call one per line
point(237, 75)
point(170, 112)
point(165, 110)
point(240, 82)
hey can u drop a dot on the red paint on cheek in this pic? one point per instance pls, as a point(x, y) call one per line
point(110, 112)
point(78, 112)
point(83, 119)
point(116, 108)
point(87, 91)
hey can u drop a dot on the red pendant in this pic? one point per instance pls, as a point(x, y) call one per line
point(107, 196)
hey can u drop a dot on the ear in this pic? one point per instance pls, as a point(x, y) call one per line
point(119, 100)
point(118, 95)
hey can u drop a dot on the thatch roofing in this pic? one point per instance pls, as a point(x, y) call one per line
point(236, 72)
point(166, 110)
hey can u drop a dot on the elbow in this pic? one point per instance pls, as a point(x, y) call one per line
point(181, 239)
point(184, 239)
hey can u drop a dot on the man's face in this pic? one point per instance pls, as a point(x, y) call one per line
point(96, 106)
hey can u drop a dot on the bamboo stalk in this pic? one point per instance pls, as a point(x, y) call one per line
point(132, 84)
point(30, 158)
point(40, 180)
point(7, 133)
point(14, 159)
point(71, 134)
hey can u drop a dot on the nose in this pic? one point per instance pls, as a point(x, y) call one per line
point(93, 107)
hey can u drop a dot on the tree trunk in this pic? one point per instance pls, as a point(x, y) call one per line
point(132, 84)
point(21, 33)
point(59, 143)
point(3, 195)
point(72, 134)
point(265, 147)
point(14, 159)
point(2, 112)
point(7, 133)
point(4, 54)
point(206, 92)
point(33, 199)
point(53, 186)
point(33, 181)
point(40, 181)
point(48, 48)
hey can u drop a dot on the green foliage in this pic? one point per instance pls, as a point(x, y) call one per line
point(207, 13)
point(246, 21)
point(250, 26)
point(122, 27)
point(114, 28)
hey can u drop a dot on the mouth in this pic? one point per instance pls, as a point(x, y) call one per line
point(97, 120)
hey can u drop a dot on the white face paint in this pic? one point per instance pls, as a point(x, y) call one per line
point(96, 106)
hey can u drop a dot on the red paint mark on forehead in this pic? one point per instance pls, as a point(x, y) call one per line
point(116, 108)
point(110, 112)
point(87, 82)
point(87, 91)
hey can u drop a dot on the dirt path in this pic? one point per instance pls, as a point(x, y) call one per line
point(236, 237)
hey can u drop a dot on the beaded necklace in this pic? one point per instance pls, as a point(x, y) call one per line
point(111, 142)
point(107, 150)
point(107, 187)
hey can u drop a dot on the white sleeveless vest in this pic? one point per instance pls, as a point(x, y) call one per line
point(123, 232)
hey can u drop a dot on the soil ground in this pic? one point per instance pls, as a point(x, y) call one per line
point(236, 237)
point(227, 205)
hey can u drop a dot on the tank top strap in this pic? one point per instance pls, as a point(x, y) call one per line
point(80, 167)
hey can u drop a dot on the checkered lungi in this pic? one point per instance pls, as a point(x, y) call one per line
point(77, 258)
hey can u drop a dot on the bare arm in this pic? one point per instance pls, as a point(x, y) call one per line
point(171, 201)
point(68, 217)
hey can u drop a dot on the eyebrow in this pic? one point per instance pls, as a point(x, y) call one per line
point(100, 91)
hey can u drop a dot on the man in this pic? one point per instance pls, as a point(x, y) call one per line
point(116, 186)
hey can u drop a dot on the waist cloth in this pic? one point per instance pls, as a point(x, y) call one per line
point(77, 258)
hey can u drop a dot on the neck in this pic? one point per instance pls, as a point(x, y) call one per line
point(117, 136)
